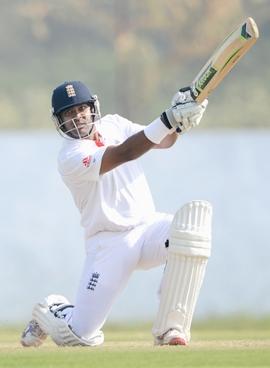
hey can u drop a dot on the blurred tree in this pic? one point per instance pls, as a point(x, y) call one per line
point(134, 54)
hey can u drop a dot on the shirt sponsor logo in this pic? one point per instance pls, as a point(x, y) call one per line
point(86, 161)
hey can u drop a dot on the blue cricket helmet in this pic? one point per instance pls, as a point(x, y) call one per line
point(70, 94)
point(67, 95)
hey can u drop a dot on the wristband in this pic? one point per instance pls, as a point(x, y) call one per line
point(156, 131)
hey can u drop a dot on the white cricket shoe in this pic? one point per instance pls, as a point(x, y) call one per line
point(171, 337)
point(32, 335)
point(54, 315)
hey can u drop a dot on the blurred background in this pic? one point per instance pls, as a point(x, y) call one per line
point(134, 56)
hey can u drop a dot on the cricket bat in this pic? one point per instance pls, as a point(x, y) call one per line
point(224, 59)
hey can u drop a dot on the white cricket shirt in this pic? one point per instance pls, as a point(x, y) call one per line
point(115, 201)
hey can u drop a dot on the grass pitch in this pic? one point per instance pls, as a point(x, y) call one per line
point(234, 343)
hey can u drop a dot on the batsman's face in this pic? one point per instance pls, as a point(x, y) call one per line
point(77, 121)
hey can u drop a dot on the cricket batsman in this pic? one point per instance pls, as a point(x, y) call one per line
point(123, 231)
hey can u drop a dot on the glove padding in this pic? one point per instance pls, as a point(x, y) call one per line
point(183, 96)
point(183, 117)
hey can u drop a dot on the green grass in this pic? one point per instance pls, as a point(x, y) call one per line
point(228, 343)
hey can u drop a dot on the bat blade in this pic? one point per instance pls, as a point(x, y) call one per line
point(226, 56)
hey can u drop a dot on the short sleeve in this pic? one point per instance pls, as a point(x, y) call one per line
point(82, 164)
point(130, 127)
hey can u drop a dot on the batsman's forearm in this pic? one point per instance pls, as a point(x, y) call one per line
point(135, 146)
point(168, 141)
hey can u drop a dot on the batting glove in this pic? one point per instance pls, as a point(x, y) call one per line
point(183, 96)
point(183, 117)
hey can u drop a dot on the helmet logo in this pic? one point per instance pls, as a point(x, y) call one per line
point(70, 90)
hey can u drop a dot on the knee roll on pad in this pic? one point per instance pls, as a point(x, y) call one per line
point(190, 232)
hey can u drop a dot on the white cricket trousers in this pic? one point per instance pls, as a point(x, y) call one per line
point(111, 257)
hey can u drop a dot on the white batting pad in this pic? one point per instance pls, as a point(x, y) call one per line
point(188, 252)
